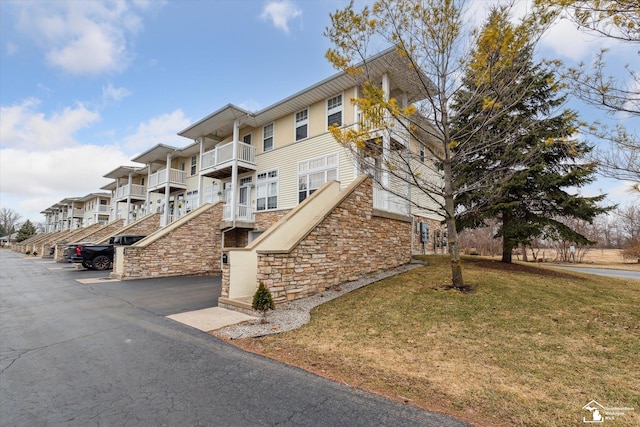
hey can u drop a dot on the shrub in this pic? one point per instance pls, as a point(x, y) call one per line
point(28, 253)
point(263, 301)
point(35, 253)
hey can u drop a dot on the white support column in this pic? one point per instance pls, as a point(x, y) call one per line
point(200, 177)
point(167, 190)
point(356, 113)
point(386, 141)
point(126, 221)
point(148, 192)
point(234, 171)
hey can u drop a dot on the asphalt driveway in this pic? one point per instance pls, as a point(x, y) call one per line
point(103, 353)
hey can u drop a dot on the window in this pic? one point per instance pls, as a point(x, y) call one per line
point(267, 190)
point(302, 124)
point(315, 172)
point(267, 137)
point(334, 111)
point(182, 166)
point(247, 139)
point(194, 162)
point(422, 152)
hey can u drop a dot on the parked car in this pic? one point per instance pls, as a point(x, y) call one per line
point(100, 256)
point(70, 250)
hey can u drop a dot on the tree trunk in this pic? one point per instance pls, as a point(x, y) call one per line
point(452, 234)
point(507, 250)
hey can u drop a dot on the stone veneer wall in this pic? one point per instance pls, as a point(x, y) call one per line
point(348, 243)
point(266, 219)
point(142, 227)
point(194, 247)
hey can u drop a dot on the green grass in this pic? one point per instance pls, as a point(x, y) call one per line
point(527, 346)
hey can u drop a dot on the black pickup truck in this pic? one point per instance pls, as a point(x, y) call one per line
point(99, 256)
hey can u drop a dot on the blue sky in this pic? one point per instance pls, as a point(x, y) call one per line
point(87, 85)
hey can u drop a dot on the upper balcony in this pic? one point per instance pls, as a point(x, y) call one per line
point(218, 163)
point(136, 191)
point(396, 128)
point(177, 180)
point(390, 202)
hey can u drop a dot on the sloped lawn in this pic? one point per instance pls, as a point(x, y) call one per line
point(527, 346)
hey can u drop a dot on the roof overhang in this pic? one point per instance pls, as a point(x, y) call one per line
point(219, 124)
point(125, 171)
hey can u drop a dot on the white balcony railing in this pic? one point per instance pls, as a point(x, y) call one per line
point(191, 202)
point(176, 177)
point(397, 128)
point(224, 153)
point(211, 194)
point(387, 201)
point(135, 190)
point(102, 208)
point(243, 213)
point(164, 221)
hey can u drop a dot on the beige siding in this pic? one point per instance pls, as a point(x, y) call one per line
point(286, 159)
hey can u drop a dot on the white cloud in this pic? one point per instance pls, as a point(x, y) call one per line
point(569, 42)
point(35, 179)
point(111, 93)
point(280, 13)
point(81, 37)
point(23, 126)
point(158, 130)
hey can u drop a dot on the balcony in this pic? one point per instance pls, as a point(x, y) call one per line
point(244, 213)
point(158, 180)
point(217, 163)
point(397, 129)
point(389, 202)
point(136, 191)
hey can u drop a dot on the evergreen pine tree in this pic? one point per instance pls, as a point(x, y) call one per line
point(263, 301)
point(27, 230)
point(524, 181)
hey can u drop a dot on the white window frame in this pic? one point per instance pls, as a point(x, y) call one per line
point(321, 169)
point(267, 183)
point(244, 138)
point(194, 165)
point(265, 138)
point(331, 110)
point(298, 123)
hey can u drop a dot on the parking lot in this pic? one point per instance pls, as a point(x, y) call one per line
point(104, 353)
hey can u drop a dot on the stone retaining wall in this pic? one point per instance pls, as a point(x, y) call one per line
point(192, 245)
point(348, 243)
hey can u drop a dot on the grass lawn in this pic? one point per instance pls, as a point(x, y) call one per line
point(528, 346)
